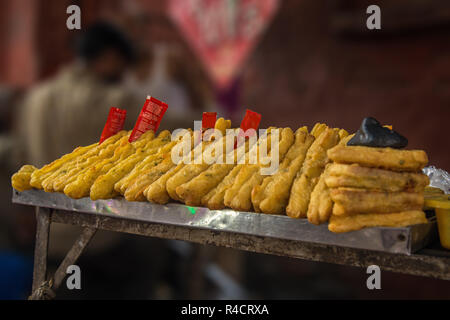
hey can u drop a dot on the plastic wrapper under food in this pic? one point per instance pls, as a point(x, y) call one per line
point(438, 178)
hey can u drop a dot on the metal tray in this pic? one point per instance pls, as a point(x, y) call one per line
point(404, 240)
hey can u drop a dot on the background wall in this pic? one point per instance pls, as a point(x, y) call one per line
point(315, 62)
point(306, 71)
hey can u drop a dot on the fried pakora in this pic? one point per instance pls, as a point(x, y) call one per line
point(355, 176)
point(384, 158)
point(341, 224)
point(308, 176)
point(352, 201)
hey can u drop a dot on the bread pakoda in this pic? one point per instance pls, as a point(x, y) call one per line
point(356, 222)
point(69, 172)
point(246, 170)
point(352, 201)
point(21, 179)
point(192, 192)
point(156, 192)
point(81, 185)
point(308, 176)
point(103, 186)
point(383, 158)
point(135, 192)
point(214, 200)
point(320, 205)
point(355, 176)
point(242, 201)
point(272, 195)
point(41, 174)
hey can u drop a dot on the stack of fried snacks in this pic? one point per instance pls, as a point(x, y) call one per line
point(272, 195)
point(307, 179)
point(318, 176)
point(103, 171)
point(375, 187)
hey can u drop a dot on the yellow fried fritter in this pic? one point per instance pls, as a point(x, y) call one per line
point(384, 158)
point(67, 174)
point(308, 176)
point(352, 201)
point(135, 192)
point(39, 175)
point(21, 179)
point(320, 206)
point(273, 195)
point(103, 186)
point(243, 200)
point(215, 198)
point(247, 170)
point(157, 191)
point(355, 176)
point(81, 186)
point(360, 221)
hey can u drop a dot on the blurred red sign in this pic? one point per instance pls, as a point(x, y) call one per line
point(222, 32)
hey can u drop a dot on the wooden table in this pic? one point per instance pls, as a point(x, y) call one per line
point(269, 234)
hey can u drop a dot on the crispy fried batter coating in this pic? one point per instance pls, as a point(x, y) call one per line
point(320, 206)
point(157, 191)
point(135, 192)
point(242, 201)
point(355, 176)
point(318, 129)
point(384, 158)
point(360, 221)
point(103, 186)
point(81, 186)
point(69, 173)
point(214, 200)
point(21, 179)
point(273, 194)
point(246, 170)
point(308, 176)
point(148, 163)
point(192, 170)
point(41, 174)
point(193, 191)
point(352, 201)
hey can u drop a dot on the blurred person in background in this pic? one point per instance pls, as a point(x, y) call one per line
point(164, 69)
point(151, 75)
point(70, 109)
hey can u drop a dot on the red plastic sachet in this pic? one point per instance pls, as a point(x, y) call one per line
point(114, 123)
point(209, 120)
point(150, 117)
point(251, 120)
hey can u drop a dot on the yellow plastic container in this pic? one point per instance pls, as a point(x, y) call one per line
point(441, 204)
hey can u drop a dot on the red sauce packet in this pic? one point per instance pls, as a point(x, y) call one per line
point(209, 120)
point(150, 117)
point(251, 121)
point(114, 123)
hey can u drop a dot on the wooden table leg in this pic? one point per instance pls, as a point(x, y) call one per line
point(43, 289)
point(40, 249)
point(72, 256)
